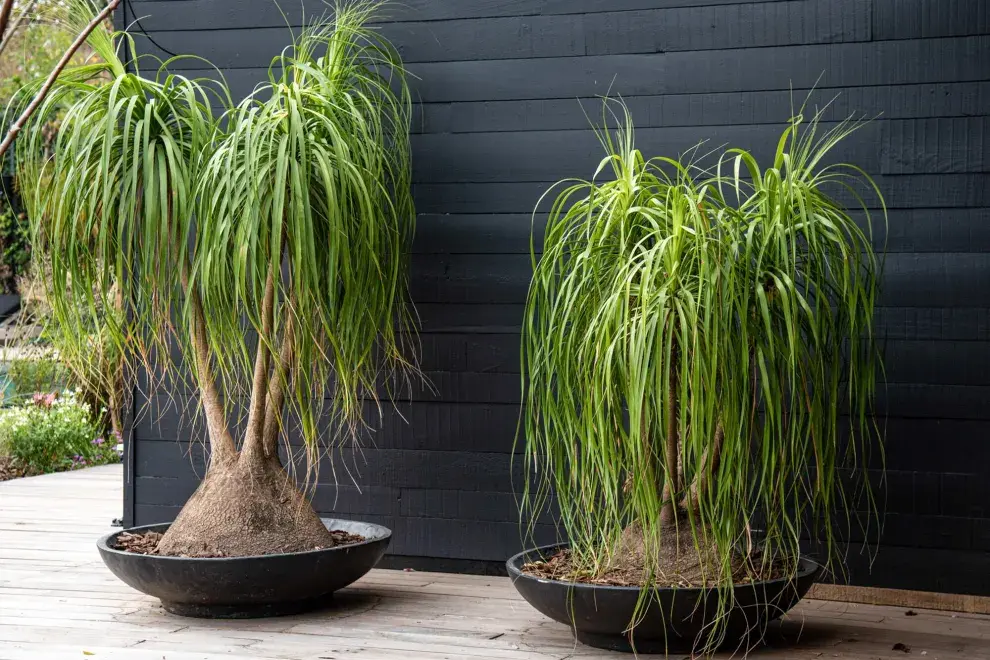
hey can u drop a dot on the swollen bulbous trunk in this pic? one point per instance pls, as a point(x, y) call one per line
point(247, 505)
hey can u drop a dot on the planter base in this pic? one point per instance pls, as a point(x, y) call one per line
point(248, 587)
point(672, 621)
point(247, 611)
point(621, 643)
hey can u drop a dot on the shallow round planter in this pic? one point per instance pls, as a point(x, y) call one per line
point(247, 587)
point(674, 621)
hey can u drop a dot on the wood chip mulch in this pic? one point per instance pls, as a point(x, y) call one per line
point(561, 567)
point(340, 537)
point(146, 543)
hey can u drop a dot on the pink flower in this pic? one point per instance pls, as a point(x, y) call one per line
point(44, 400)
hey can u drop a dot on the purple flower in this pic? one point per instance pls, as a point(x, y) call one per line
point(98, 441)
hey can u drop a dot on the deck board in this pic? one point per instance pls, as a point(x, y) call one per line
point(57, 600)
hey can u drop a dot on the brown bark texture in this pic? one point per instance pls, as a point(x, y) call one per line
point(245, 508)
point(6, 7)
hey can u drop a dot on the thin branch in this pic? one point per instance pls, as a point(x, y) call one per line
point(280, 383)
point(669, 512)
point(5, 39)
point(62, 63)
point(117, 394)
point(259, 387)
point(221, 443)
point(5, 9)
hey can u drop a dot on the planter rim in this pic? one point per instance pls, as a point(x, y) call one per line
point(807, 566)
point(382, 533)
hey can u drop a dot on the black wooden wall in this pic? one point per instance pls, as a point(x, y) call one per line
point(499, 83)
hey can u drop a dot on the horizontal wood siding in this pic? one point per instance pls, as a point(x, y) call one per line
point(504, 90)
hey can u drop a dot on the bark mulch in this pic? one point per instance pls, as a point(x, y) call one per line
point(340, 537)
point(562, 567)
point(143, 543)
point(146, 543)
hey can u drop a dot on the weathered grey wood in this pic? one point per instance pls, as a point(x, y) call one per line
point(74, 608)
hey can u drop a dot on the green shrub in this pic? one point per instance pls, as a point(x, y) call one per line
point(15, 247)
point(54, 432)
point(42, 374)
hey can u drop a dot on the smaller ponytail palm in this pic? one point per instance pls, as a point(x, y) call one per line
point(685, 357)
point(113, 199)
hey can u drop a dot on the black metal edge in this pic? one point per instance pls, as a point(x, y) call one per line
point(809, 567)
point(103, 544)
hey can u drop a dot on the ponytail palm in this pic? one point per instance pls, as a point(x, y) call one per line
point(111, 202)
point(688, 375)
point(269, 243)
point(314, 178)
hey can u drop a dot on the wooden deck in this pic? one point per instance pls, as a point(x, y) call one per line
point(58, 601)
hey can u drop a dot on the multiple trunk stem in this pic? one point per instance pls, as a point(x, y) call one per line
point(222, 447)
point(268, 387)
point(259, 384)
point(246, 504)
point(269, 381)
point(678, 498)
point(672, 486)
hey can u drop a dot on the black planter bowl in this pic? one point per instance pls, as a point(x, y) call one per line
point(674, 621)
point(247, 587)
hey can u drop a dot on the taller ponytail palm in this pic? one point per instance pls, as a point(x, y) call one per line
point(269, 243)
point(688, 365)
